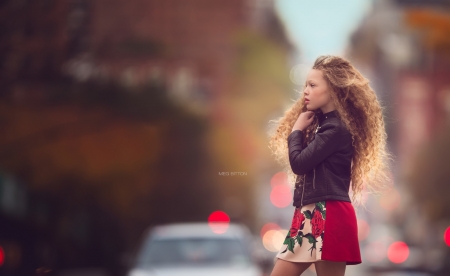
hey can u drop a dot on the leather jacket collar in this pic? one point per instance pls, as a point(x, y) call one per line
point(330, 114)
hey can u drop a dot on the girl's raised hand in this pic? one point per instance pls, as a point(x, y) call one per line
point(304, 120)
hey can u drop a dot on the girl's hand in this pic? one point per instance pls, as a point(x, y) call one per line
point(304, 120)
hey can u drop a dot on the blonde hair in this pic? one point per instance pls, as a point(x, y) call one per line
point(359, 109)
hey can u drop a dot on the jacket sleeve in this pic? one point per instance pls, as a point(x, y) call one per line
point(325, 143)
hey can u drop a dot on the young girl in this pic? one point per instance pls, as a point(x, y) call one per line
point(332, 138)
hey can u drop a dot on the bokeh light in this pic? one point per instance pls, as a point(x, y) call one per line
point(219, 222)
point(281, 196)
point(447, 236)
point(298, 74)
point(267, 227)
point(2, 256)
point(398, 252)
point(273, 239)
point(278, 179)
point(363, 229)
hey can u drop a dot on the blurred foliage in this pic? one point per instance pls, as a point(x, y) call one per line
point(261, 58)
point(259, 90)
point(262, 87)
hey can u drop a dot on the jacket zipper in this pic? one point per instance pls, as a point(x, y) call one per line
point(314, 179)
point(314, 185)
point(301, 202)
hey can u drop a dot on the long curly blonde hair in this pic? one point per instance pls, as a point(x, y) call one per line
point(359, 109)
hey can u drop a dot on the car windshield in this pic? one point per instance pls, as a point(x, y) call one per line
point(194, 251)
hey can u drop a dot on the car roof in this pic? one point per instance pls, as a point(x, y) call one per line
point(199, 230)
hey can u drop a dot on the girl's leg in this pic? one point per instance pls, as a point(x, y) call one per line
point(329, 268)
point(285, 268)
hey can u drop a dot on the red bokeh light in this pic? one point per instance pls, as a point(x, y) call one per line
point(2, 256)
point(219, 222)
point(447, 236)
point(398, 252)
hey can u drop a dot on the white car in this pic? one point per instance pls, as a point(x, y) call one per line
point(184, 249)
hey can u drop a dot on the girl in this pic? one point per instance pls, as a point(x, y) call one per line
point(332, 138)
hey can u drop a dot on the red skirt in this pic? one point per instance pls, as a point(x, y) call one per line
point(323, 231)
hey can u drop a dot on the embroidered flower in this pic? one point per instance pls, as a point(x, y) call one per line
point(318, 223)
point(297, 221)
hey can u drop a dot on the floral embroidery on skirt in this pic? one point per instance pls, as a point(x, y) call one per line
point(307, 231)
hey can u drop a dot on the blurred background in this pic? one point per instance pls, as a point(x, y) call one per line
point(119, 116)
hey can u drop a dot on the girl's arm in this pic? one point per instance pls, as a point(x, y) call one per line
point(325, 143)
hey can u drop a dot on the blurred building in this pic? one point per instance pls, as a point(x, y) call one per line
point(190, 47)
point(37, 38)
point(403, 48)
point(185, 45)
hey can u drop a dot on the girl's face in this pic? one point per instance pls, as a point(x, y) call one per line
point(316, 94)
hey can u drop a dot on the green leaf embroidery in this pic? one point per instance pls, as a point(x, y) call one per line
point(307, 214)
point(319, 206)
point(312, 241)
point(291, 243)
point(310, 238)
point(300, 238)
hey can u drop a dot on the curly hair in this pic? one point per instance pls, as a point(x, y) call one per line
point(358, 108)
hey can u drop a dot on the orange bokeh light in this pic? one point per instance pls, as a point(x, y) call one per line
point(273, 239)
point(267, 227)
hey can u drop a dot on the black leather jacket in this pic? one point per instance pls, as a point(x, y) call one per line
point(323, 167)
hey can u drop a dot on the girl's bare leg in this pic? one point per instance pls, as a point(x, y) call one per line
point(285, 268)
point(329, 268)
